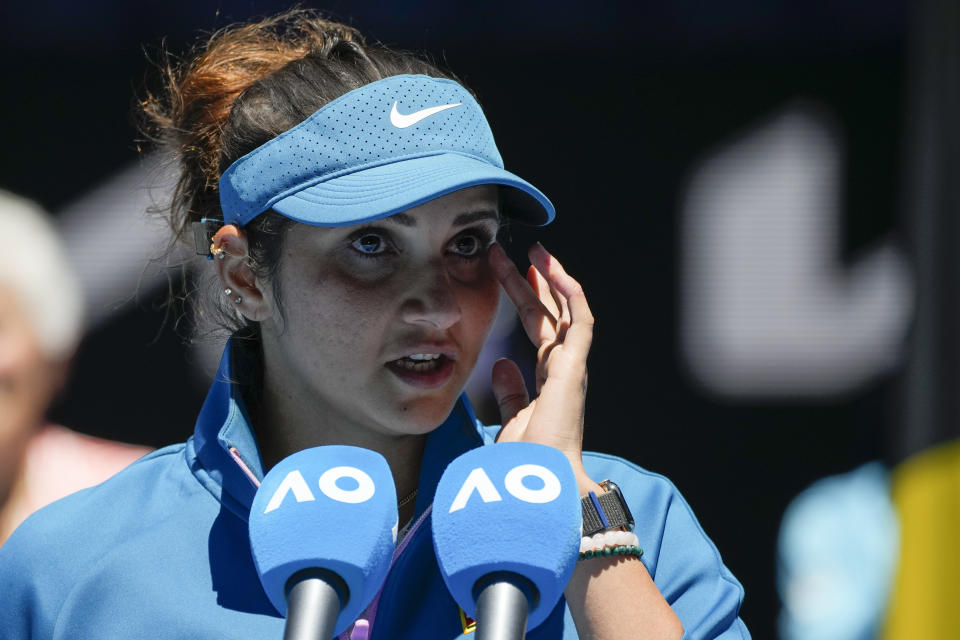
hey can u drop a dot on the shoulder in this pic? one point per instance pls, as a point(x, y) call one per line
point(648, 493)
point(59, 462)
point(149, 489)
point(661, 513)
point(92, 516)
point(680, 557)
point(59, 545)
point(682, 560)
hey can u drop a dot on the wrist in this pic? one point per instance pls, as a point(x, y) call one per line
point(604, 509)
point(585, 485)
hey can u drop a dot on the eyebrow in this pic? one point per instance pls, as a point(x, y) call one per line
point(475, 216)
point(406, 220)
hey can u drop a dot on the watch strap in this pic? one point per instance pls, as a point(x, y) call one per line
point(605, 511)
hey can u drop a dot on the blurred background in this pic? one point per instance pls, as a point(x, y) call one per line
point(755, 194)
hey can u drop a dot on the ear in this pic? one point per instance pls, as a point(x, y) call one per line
point(231, 252)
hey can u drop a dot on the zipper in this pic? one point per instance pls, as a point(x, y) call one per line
point(235, 454)
point(363, 627)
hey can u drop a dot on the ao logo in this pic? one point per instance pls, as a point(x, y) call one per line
point(295, 483)
point(479, 481)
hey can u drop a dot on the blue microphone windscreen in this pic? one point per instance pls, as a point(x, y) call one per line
point(512, 506)
point(334, 508)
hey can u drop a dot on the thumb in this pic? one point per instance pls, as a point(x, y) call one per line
point(509, 389)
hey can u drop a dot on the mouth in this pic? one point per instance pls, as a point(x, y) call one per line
point(423, 370)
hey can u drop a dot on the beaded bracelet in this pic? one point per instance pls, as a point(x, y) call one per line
point(610, 543)
point(620, 550)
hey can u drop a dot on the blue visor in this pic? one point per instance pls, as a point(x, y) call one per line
point(375, 151)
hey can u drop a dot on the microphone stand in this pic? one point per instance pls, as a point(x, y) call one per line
point(504, 601)
point(315, 598)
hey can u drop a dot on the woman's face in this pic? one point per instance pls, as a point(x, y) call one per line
point(28, 381)
point(383, 322)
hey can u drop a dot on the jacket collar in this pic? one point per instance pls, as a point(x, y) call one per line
point(225, 448)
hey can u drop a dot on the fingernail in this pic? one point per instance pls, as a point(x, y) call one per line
point(537, 245)
point(545, 255)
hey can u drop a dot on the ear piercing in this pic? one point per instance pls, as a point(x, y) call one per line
point(239, 299)
point(218, 252)
point(228, 291)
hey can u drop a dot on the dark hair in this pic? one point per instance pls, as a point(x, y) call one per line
point(242, 87)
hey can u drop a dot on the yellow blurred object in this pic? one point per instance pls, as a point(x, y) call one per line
point(925, 601)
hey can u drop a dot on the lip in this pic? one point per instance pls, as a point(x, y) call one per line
point(433, 379)
point(445, 349)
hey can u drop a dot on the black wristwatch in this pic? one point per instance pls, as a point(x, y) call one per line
point(605, 511)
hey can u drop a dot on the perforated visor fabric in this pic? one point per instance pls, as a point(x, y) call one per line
point(385, 147)
point(387, 189)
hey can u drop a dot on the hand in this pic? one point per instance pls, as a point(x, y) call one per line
point(557, 319)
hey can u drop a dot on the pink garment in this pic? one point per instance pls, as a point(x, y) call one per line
point(58, 462)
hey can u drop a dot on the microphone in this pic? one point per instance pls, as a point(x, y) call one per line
point(506, 531)
point(323, 529)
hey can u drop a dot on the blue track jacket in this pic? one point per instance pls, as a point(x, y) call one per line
point(161, 550)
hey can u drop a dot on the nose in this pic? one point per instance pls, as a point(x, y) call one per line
point(432, 302)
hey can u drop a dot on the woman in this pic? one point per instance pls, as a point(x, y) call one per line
point(357, 194)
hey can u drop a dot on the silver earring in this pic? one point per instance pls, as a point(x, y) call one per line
point(227, 292)
point(239, 299)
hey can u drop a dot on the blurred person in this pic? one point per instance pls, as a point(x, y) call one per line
point(41, 312)
point(836, 557)
point(354, 195)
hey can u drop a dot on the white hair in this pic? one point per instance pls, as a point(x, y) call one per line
point(34, 266)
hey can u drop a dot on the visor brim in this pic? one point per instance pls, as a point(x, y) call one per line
point(383, 190)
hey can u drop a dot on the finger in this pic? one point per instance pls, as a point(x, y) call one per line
point(544, 291)
point(509, 389)
point(581, 318)
point(536, 319)
point(551, 298)
point(563, 319)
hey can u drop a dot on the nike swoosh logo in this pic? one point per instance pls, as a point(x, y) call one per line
point(402, 121)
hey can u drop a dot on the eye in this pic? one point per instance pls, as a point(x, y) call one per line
point(471, 244)
point(370, 244)
point(466, 246)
